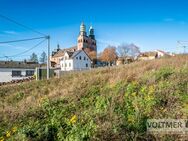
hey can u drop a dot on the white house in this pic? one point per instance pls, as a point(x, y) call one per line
point(77, 60)
point(161, 53)
point(14, 70)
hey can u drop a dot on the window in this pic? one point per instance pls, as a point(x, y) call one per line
point(80, 58)
point(84, 58)
point(86, 65)
point(65, 65)
point(77, 58)
point(69, 64)
point(16, 73)
point(29, 72)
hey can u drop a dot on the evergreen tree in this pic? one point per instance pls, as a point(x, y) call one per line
point(34, 57)
point(43, 57)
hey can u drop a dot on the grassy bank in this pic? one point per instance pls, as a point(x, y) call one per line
point(103, 104)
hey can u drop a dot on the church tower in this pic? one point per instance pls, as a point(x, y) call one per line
point(82, 38)
point(92, 41)
point(91, 33)
point(84, 41)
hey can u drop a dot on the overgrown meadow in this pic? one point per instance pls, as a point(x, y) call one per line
point(102, 104)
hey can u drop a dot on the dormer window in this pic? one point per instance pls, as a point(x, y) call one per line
point(84, 58)
point(80, 58)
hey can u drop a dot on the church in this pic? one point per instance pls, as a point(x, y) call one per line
point(86, 45)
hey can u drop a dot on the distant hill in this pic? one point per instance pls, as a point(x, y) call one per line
point(102, 104)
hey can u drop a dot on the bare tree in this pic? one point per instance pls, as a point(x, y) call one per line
point(125, 50)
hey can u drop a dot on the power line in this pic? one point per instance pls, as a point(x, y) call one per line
point(183, 45)
point(24, 26)
point(25, 50)
point(22, 40)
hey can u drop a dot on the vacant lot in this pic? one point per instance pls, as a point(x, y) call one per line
point(103, 104)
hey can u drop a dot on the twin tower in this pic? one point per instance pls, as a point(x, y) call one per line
point(86, 41)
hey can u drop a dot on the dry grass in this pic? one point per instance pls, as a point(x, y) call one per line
point(15, 101)
point(70, 85)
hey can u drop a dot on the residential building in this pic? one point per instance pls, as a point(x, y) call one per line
point(78, 60)
point(148, 55)
point(14, 70)
point(153, 55)
point(161, 53)
point(84, 42)
point(58, 54)
point(124, 60)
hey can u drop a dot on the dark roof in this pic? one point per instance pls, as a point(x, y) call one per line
point(18, 64)
point(70, 53)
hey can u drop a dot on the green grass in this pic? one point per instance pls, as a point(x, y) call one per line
point(102, 104)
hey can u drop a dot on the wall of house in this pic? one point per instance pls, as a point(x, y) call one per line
point(81, 64)
point(160, 54)
point(6, 74)
point(66, 65)
point(56, 60)
point(76, 63)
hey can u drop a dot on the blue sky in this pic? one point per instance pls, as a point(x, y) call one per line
point(150, 24)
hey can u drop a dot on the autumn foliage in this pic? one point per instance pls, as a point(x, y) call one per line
point(109, 54)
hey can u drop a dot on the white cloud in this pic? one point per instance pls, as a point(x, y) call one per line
point(10, 32)
point(169, 19)
point(12, 46)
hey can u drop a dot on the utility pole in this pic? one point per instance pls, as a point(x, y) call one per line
point(48, 55)
point(183, 44)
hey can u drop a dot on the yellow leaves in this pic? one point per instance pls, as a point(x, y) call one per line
point(131, 119)
point(8, 133)
point(14, 129)
point(133, 94)
point(151, 89)
point(73, 119)
point(2, 139)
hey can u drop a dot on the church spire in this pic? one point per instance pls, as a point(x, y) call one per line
point(83, 29)
point(91, 32)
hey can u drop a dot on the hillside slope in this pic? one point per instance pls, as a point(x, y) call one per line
point(102, 104)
